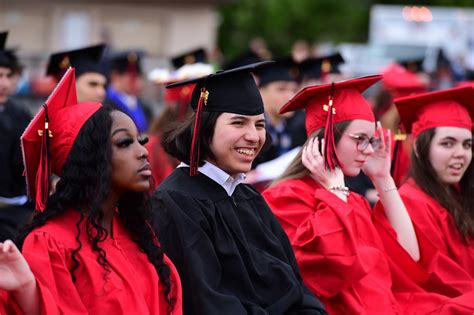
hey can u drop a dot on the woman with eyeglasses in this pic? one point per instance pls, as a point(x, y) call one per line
point(337, 246)
point(439, 194)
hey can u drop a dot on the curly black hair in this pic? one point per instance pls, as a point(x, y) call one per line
point(85, 182)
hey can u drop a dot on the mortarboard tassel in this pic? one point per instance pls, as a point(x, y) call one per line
point(44, 170)
point(399, 137)
point(195, 144)
point(132, 59)
point(325, 70)
point(331, 159)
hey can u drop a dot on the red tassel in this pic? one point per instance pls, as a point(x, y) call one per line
point(195, 144)
point(331, 159)
point(44, 170)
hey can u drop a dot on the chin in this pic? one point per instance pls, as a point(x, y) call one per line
point(351, 171)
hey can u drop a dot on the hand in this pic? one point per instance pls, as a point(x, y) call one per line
point(313, 160)
point(15, 273)
point(379, 162)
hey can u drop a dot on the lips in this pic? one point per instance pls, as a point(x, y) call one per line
point(145, 170)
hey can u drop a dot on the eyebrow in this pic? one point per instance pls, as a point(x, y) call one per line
point(118, 130)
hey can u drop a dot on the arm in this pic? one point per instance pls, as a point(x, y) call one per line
point(377, 168)
point(16, 277)
point(316, 224)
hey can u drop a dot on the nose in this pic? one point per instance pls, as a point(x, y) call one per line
point(369, 150)
point(460, 151)
point(143, 152)
point(251, 134)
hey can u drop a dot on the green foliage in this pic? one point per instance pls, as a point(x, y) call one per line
point(282, 22)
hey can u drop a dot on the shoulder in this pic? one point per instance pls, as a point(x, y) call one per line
point(291, 188)
point(59, 232)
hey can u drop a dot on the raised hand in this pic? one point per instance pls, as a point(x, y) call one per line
point(378, 163)
point(14, 270)
point(313, 160)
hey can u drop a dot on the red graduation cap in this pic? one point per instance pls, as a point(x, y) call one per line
point(328, 104)
point(401, 82)
point(49, 137)
point(452, 107)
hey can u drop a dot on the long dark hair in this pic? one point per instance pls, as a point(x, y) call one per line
point(85, 183)
point(178, 137)
point(460, 203)
point(296, 169)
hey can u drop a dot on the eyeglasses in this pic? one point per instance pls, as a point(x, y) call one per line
point(363, 142)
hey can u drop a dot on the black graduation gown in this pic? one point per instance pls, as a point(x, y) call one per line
point(232, 255)
point(13, 121)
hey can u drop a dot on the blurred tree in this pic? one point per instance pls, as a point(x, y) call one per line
point(282, 22)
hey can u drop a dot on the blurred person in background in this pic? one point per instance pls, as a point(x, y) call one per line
point(125, 86)
point(14, 209)
point(320, 70)
point(91, 77)
point(192, 64)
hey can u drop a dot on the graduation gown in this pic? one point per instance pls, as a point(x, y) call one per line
point(435, 221)
point(131, 287)
point(13, 122)
point(232, 255)
point(342, 257)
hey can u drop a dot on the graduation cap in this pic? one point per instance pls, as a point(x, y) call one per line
point(283, 69)
point(8, 59)
point(318, 68)
point(87, 59)
point(126, 62)
point(398, 81)
point(49, 137)
point(452, 107)
point(195, 56)
point(3, 40)
point(328, 104)
point(231, 91)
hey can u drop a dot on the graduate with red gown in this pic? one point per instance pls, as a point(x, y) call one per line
point(439, 195)
point(90, 248)
point(341, 255)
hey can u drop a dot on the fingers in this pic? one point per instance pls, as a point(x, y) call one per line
point(8, 247)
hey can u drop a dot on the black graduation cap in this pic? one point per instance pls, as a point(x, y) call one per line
point(230, 91)
point(3, 40)
point(315, 68)
point(87, 59)
point(126, 61)
point(191, 57)
point(283, 69)
point(8, 57)
point(413, 65)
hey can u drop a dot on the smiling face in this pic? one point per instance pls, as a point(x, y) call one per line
point(130, 169)
point(236, 142)
point(450, 153)
point(347, 148)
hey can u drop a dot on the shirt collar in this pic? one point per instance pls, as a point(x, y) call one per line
point(227, 182)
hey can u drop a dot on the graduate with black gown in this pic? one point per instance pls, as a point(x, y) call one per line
point(231, 253)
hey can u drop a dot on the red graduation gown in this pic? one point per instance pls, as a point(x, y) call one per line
point(131, 287)
point(435, 221)
point(341, 255)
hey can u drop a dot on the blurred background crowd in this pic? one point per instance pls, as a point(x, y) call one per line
point(138, 47)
